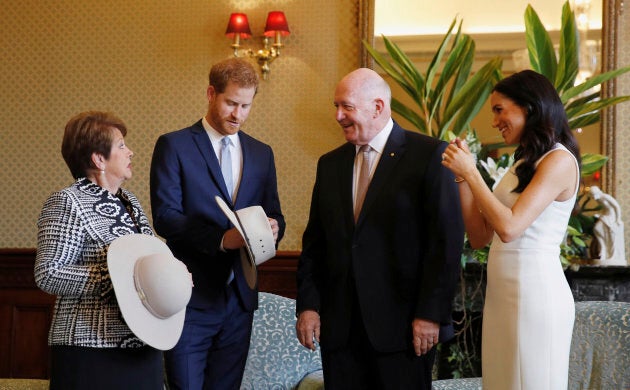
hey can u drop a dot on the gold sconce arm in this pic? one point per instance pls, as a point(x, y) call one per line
point(236, 45)
point(266, 56)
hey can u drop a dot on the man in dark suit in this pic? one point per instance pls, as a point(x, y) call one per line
point(188, 170)
point(377, 283)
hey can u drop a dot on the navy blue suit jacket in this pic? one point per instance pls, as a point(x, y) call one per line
point(185, 178)
point(401, 259)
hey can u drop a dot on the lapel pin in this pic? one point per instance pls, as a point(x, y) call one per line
point(392, 154)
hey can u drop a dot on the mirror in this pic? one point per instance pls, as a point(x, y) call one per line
point(421, 48)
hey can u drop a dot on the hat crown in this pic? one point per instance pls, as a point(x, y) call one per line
point(254, 226)
point(163, 284)
point(260, 243)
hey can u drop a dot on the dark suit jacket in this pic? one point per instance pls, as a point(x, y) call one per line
point(404, 253)
point(185, 177)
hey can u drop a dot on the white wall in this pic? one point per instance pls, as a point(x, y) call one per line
point(421, 17)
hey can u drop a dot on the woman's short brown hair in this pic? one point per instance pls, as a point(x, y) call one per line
point(86, 133)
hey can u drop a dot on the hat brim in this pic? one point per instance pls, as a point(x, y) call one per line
point(253, 225)
point(122, 255)
point(250, 271)
point(234, 220)
point(248, 263)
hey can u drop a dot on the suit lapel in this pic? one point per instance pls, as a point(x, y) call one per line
point(248, 160)
point(393, 151)
point(205, 148)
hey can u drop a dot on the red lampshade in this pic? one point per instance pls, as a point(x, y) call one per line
point(238, 24)
point(276, 22)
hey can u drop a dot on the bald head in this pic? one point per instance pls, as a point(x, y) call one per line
point(368, 85)
point(363, 101)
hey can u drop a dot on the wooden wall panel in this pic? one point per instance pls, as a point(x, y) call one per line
point(26, 311)
point(278, 274)
point(29, 348)
point(25, 315)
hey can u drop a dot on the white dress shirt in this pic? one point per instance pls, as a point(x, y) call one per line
point(236, 151)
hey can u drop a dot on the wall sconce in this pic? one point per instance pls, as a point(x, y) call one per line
point(276, 27)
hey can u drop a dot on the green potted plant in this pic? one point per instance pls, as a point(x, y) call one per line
point(447, 97)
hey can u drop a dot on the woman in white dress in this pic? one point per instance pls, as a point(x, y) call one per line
point(529, 309)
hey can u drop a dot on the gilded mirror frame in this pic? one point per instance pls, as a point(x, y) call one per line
point(611, 15)
point(366, 31)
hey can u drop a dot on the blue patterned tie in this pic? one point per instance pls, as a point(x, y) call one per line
point(226, 165)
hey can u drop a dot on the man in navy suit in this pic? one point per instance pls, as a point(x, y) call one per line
point(186, 175)
point(376, 284)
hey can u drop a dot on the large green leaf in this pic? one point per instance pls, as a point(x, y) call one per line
point(410, 115)
point(585, 120)
point(462, 108)
point(568, 52)
point(389, 69)
point(592, 82)
point(592, 163)
point(458, 62)
point(596, 105)
point(542, 55)
point(454, 62)
point(462, 71)
point(406, 66)
point(437, 58)
point(583, 99)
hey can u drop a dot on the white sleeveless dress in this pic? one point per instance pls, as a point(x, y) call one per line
point(529, 310)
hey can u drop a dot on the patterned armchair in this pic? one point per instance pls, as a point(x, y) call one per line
point(23, 384)
point(600, 350)
point(276, 359)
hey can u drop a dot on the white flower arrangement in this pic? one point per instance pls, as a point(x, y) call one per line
point(496, 172)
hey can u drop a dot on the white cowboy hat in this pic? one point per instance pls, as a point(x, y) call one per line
point(254, 226)
point(152, 288)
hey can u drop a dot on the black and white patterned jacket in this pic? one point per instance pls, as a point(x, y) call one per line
point(76, 226)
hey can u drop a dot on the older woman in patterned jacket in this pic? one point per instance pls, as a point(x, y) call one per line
point(92, 346)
